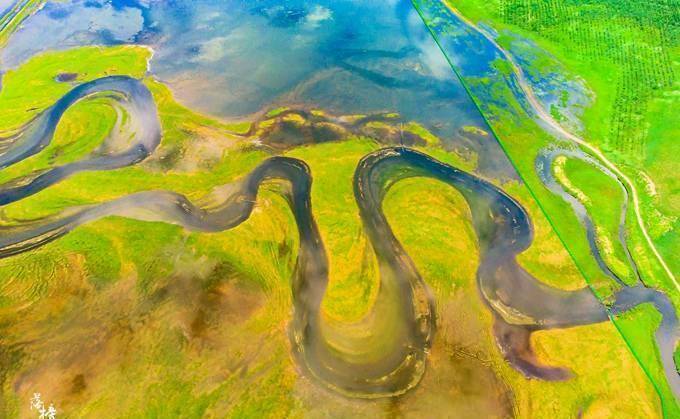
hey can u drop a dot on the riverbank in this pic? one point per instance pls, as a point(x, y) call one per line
point(206, 300)
point(501, 93)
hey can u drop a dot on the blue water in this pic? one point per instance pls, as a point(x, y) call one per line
point(5, 5)
point(232, 58)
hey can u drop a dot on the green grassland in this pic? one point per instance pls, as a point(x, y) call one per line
point(143, 319)
point(624, 52)
point(602, 197)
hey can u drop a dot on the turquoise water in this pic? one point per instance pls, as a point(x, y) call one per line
point(233, 58)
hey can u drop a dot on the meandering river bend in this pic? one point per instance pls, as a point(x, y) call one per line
point(390, 358)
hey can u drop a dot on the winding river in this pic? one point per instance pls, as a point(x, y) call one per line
point(455, 33)
point(440, 17)
point(385, 353)
point(544, 165)
point(142, 126)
